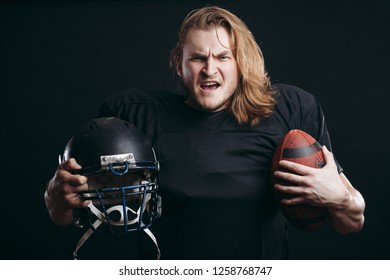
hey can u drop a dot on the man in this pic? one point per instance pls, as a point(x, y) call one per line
point(215, 148)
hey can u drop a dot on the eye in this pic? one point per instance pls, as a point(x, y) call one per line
point(196, 59)
point(200, 58)
point(224, 57)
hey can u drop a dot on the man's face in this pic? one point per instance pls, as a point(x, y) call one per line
point(208, 69)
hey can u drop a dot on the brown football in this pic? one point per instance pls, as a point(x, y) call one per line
point(298, 146)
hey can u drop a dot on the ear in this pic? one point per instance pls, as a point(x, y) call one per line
point(179, 69)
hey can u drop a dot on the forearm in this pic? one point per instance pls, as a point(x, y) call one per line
point(348, 216)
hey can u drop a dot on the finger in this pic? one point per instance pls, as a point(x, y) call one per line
point(74, 189)
point(74, 201)
point(72, 179)
point(70, 164)
point(292, 201)
point(293, 190)
point(328, 156)
point(295, 167)
point(290, 177)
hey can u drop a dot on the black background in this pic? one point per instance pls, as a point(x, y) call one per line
point(60, 59)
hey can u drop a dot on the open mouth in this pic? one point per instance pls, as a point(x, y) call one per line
point(209, 85)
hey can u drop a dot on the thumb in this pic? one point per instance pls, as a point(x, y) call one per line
point(70, 164)
point(328, 156)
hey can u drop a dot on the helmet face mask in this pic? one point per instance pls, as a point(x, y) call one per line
point(121, 168)
point(122, 203)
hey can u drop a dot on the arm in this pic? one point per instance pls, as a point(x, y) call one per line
point(61, 194)
point(325, 188)
point(348, 216)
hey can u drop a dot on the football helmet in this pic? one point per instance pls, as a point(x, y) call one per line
point(122, 170)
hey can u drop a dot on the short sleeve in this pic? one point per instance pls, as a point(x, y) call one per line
point(302, 110)
point(138, 106)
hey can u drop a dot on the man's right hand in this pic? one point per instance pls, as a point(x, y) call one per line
point(62, 193)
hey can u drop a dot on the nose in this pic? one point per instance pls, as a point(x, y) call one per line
point(210, 67)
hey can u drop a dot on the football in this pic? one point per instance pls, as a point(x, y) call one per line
point(298, 146)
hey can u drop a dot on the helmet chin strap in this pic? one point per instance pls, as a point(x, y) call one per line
point(101, 218)
point(121, 209)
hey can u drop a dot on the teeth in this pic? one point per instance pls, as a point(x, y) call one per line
point(210, 83)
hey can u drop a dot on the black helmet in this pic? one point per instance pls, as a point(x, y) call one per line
point(113, 153)
point(111, 142)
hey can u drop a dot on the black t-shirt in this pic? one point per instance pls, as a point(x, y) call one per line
point(215, 174)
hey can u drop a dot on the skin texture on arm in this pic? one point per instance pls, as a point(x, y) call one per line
point(61, 195)
point(324, 187)
point(348, 217)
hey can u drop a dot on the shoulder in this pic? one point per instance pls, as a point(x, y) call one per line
point(139, 106)
point(143, 96)
point(293, 94)
point(296, 108)
point(294, 100)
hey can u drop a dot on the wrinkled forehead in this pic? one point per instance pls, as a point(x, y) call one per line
point(204, 38)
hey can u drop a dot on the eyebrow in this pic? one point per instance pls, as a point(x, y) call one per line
point(203, 54)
